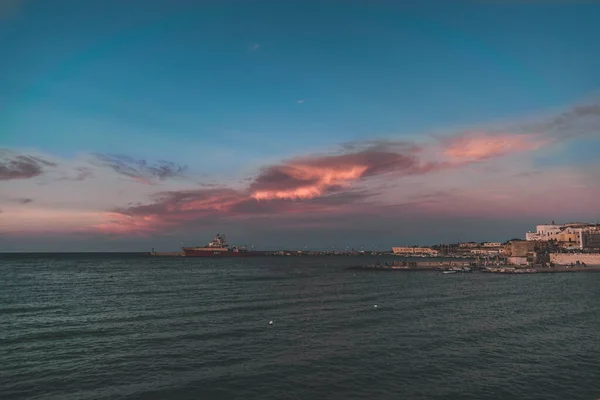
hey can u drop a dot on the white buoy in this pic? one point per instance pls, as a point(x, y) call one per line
point(270, 322)
point(375, 306)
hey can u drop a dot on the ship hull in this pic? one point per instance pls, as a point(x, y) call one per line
point(221, 253)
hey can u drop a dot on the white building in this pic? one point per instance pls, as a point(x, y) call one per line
point(533, 236)
point(545, 232)
point(567, 233)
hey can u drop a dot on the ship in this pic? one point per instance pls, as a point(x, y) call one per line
point(218, 247)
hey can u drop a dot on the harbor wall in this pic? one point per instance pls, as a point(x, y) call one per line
point(566, 259)
point(430, 264)
point(517, 260)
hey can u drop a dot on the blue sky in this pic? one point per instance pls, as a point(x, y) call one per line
point(225, 87)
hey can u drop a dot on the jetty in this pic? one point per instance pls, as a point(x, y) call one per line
point(511, 269)
point(167, 253)
point(475, 265)
point(421, 265)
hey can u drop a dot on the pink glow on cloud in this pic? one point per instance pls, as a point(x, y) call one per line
point(169, 212)
point(32, 219)
point(142, 180)
point(117, 223)
point(321, 178)
point(481, 146)
point(313, 177)
point(217, 201)
point(535, 198)
point(318, 185)
point(436, 179)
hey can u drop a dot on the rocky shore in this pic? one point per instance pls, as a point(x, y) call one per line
point(456, 267)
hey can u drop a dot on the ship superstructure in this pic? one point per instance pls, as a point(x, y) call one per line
point(218, 247)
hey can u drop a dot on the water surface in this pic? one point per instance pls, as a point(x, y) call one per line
point(131, 327)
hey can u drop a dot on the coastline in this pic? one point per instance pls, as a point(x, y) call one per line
point(500, 269)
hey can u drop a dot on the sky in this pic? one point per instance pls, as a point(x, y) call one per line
point(295, 124)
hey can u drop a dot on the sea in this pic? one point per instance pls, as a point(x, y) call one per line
point(118, 326)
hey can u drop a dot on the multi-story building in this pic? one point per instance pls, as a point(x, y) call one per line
point(570, 234)
point(589, 240)
point(468, 245)
point(545, 232)
point(415, 250)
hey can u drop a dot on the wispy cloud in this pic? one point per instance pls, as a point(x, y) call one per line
point(16, 166)
point(139, 170)
point(310, 177)
point(313, 184)
point(512, 137)
point(24, 200)
point(176, 209)
point(480, 146)
point(83, 173)
point(581, 120)
point(300, 101)
point(465, 171)
point(254, 47)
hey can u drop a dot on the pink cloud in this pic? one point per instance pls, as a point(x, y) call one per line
point(556, 193)
point(480, 146)
point(322, 185)
point(312, 181)
point(118, 223)
point(307, 185)
point(376, 179)
point(310, 177)
point(174, 209)
point(38, 219)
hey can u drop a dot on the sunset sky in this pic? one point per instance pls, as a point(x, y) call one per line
point(127, 125)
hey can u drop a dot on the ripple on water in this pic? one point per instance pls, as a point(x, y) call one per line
point(110, 327)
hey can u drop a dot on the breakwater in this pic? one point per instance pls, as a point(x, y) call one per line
point(568, 259)
point(540, 270)
point(421, 265)
point(167, 253)
point(472, 267)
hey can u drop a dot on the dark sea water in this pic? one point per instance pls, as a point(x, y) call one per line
point(132, 327)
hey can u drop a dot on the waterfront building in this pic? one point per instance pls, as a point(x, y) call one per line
point(568, 234)
point(589, 240)
point(468, 245)
point(415, 250)
point(544, 233)
point(491, 252)
point(492, 244)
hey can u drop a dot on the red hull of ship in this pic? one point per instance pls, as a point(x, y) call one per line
point(210, 253)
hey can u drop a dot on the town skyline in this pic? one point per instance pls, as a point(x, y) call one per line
point(313, 124)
